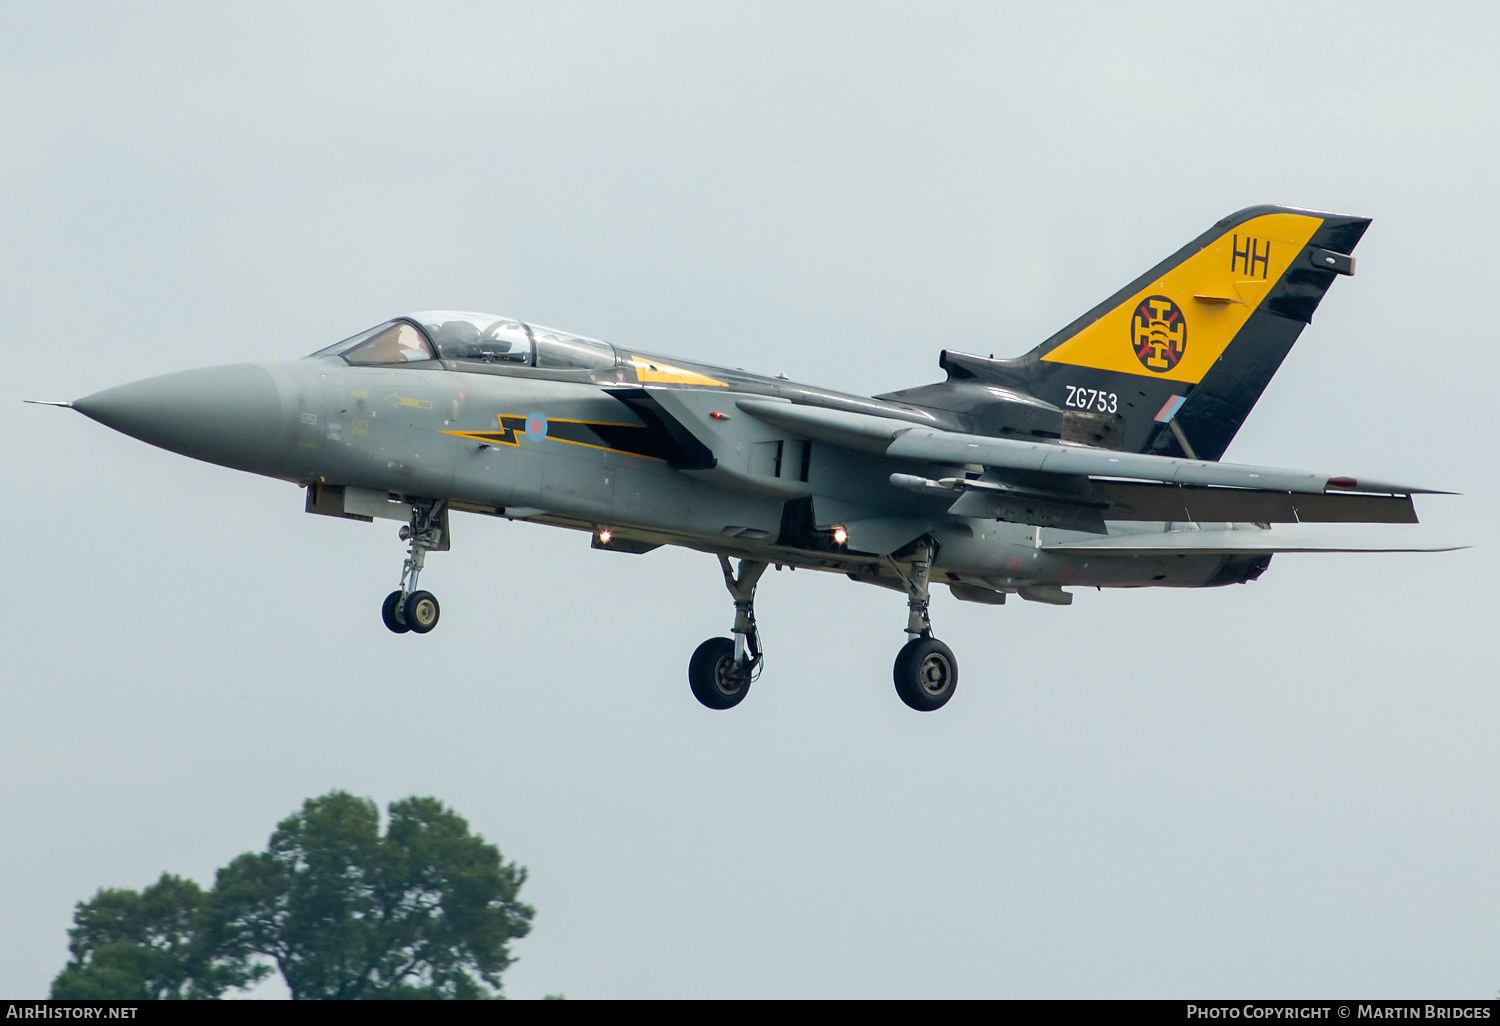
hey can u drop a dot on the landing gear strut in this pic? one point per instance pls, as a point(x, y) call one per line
point(722, 669)
point(926, 671)
point(406, 608)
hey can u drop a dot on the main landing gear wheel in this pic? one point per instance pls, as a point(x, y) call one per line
point(420, 611)
point(717, 679)
point(926, 671)
point(390, 612)
point(926, 674)
point(722, 669)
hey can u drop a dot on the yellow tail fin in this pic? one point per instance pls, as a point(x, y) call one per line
point(1176, 326)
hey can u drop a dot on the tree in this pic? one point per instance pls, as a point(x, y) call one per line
point(158, 943)
point(426, 910)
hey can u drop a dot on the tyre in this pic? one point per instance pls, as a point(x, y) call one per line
point(421, 611)
point(391, 616)
point(717, 681)
point(926, 674)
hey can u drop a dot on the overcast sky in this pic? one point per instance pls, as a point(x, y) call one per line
point(1285, 789)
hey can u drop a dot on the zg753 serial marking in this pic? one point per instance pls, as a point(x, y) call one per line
point(1092, 399)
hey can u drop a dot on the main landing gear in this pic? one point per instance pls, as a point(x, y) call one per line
point(406, 608)
point(722, 669)
point(926, 671)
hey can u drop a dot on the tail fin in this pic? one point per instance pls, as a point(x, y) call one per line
point(1174, 362)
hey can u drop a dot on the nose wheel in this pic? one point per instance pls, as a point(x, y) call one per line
point(417, 612)
point(393, 614)
point(406, 608)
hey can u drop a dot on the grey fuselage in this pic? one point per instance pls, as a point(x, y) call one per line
point(593, 449)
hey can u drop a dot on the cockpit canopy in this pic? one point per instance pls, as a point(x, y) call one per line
point(472, 338)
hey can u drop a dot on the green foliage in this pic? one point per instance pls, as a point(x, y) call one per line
point(426, 910)
point(162, 942)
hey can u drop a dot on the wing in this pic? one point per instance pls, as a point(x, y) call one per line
point(1078, 487)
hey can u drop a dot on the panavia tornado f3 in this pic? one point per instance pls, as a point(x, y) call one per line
point(1092, 460)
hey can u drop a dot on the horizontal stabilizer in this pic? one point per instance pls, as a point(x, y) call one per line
point(1234, 541)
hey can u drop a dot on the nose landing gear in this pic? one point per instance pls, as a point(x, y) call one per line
point(926, 671)
point(406, 608)
point(722, 669)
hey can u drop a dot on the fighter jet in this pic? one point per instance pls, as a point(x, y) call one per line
point(1091, 461)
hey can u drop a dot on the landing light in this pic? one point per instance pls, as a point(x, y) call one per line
point(840, 535)
point(605, 535)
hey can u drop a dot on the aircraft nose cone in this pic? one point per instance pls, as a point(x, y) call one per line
point(232, 416)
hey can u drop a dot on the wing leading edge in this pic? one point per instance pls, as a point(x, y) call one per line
point(1078, 487)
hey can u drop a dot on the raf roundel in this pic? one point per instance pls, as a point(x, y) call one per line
point(1158, 334)
point(536, 427)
